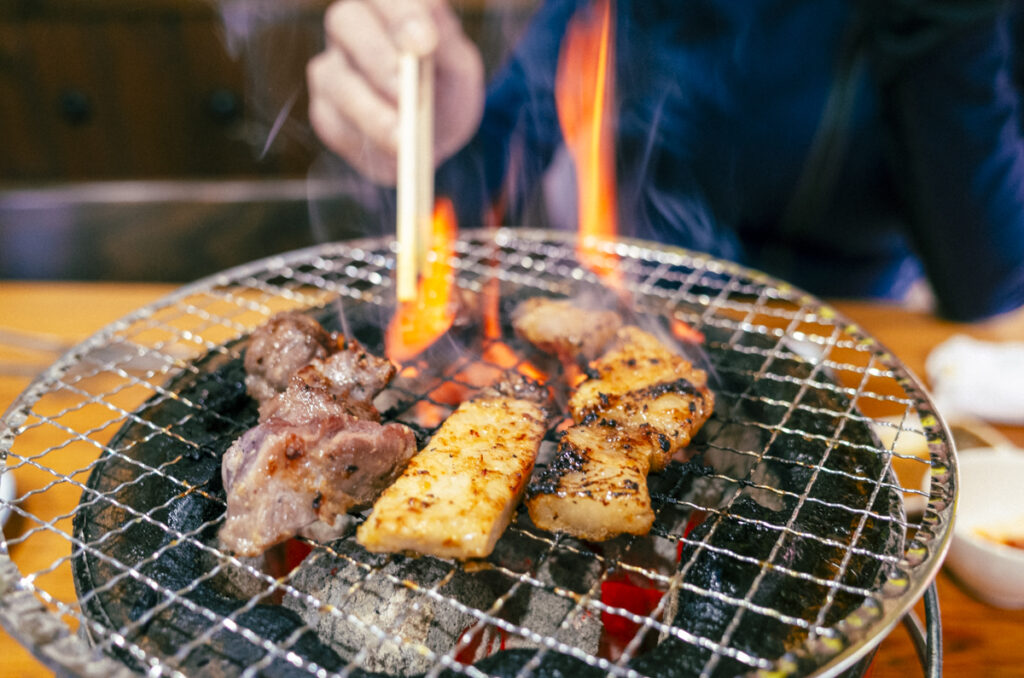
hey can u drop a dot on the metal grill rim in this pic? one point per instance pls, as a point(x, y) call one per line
point(146, 348)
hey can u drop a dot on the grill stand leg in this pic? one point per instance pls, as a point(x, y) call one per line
point(927, 640)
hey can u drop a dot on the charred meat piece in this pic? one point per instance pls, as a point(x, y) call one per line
point(520, 387)
point(319, 449)
point(596, 487)
point(565, 328)
point(642, 385)
point(285, 479)
point(279, 348)
point(355, 374)
point(641, 404)
point(458, 495)
point(348, 379)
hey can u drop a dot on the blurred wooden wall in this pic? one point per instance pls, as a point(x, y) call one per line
point(135, 135)
point(118, 89)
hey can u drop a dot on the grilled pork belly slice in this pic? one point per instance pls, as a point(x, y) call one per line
point(279, 348)
point(642, 385)
point(640, 405)
point(596, 486)
point(565, 328)
point(458, 495)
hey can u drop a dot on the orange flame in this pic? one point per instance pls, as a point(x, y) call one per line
point(584, 95)
point(497, 351)
point(491, 309)
point(418, 324)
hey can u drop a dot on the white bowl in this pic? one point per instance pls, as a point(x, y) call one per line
point(990, 482)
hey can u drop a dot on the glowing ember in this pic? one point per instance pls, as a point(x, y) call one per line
point(585, 95)
point(634, 594)
point(428, 414)
point(453, 391)
point(574, 375)
point(504, 356)
point(496, 351)
point(418, 324)
point(479, 643)
point(684, 332)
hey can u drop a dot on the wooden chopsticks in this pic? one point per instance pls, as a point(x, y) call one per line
point(415, 169)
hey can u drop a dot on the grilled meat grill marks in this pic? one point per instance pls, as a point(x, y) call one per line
point(595, 489)
point(641, 384)
point(319, 450)
point(458, 495)
point(640, 405)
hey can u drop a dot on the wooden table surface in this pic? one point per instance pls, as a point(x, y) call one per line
point(979, 640)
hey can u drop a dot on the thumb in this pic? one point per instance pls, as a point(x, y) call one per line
point(411, 23)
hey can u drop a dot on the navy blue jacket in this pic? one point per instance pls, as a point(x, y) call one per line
point(841, 146)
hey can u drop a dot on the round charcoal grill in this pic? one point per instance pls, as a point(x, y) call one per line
point(781, 548)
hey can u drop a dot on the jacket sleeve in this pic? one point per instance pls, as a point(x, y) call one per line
point(954, 108)
point(519, 134)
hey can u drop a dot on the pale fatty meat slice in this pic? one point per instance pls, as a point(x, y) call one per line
point(457, 496)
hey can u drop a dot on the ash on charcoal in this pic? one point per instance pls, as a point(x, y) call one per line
point(552, 609)
point(379, 596)
point(733, 454)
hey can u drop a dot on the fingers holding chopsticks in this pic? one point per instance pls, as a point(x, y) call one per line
point(352, 118)
point(353, 83)
point(374, 33)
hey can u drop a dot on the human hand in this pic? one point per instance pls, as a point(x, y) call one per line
point(353, 83)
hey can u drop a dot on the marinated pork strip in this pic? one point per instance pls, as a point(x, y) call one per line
point(458, 495)
point(642, 385)
point(565, 328)
point(641, 404)
point(317, 452)
point(595, 488)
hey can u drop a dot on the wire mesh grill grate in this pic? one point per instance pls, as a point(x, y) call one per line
point(788, 525)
